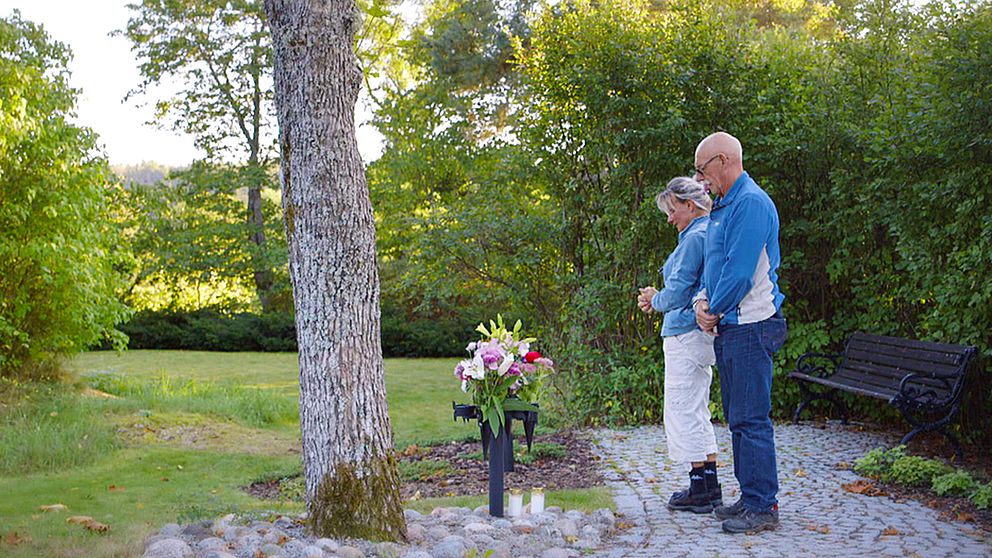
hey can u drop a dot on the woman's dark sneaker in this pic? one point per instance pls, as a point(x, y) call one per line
point(727, 512)
point(751, 522)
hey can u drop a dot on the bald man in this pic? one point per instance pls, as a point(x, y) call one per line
point(740, 303)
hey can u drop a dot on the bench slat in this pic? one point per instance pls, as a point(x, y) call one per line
point(872, 383)
point(904, 365)
point(827, 382)
point(906, 358)
point(912, 343)
point(888, 379)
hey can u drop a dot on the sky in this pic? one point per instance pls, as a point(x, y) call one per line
point(104, 69)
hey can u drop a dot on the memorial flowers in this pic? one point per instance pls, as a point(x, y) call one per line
point(503, 373)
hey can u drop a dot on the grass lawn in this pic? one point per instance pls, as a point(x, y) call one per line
point(182, 433)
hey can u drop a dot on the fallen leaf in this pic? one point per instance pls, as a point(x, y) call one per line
point(863, 487)
point(79, 519)
point(165, 479)
point(180, 467)
point(844, 466)
point(96, 526)
point(140, 506)
point(800, 473)
point(965, 516)
point(14, 538)
point(115, 488)
point(890, 532)
point(53, 508)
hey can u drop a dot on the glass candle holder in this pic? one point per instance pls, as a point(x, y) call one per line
point(536, 500)
point(516, 503)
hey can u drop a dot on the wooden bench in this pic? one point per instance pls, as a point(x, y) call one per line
point(920, 378)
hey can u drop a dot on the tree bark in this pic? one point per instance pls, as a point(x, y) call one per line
point(351, 477)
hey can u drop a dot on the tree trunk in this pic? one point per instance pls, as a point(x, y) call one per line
point(351, 476)
point(261, 273)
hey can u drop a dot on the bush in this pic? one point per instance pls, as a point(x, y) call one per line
point(913, 470)
point(211, 330)
point(982, 498)
point(877, 463)
point(957, 483)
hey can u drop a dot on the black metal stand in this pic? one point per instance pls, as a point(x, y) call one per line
point(498, 449)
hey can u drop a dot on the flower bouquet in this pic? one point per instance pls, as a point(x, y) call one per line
point(503, 374)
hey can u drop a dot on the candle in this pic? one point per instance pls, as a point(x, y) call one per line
point(536, 500)
point(516, 503)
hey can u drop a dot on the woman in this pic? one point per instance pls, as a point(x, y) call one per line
point(689, 353)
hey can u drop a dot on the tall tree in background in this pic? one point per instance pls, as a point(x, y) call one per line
point(352, 482)
point(59, 272)
point(220, 54)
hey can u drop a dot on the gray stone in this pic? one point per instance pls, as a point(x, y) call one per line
point(437, 532)
point(275, 536)
point(543, 518)
point(575, 515)
point(294, 548)
point(154, 539)
point(234, 533)
point(501, 523)
point(327, 545)
point(284, 522)
point(349, 552)
point(473, 528)
point(247, 544)
point(312, 552)
point(557, 553)
point(212, 543)
point(553, 509)
point(198, 531)
point(416, 533)
point(417, 554)
point(169, 548)
point(481, 511)
point(215, 554)
point(522, 526)
point(412, 515)
point(172, 530)
point(387, 550)
point(567, 528)
point(448, 549)
point(482, 540)
point(272, 550)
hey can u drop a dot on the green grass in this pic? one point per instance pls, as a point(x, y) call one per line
point(586, 499)
point(181, 433)
point(419, 391)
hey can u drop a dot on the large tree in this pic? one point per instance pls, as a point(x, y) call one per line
point(59, 272)
point(220, 54)
point(351, 477)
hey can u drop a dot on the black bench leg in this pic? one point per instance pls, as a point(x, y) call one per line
point(811, 397)
point(958, 453)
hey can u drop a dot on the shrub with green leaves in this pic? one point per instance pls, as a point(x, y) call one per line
point(61, 266)
point(877, 463)
point(914, 470)
point(982, 498)
point(955, 483)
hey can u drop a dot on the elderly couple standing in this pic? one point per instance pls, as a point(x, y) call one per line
point(722, 304)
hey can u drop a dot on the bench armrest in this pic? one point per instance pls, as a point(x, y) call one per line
point(922, 397)
point(817, 364)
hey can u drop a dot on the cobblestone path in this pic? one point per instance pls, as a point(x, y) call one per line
point(818, 518)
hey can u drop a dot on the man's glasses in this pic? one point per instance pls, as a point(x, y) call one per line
point(702, 169)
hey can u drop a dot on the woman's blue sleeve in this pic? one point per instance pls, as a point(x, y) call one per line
point(683, 281)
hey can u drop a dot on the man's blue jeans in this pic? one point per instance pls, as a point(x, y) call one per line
point(744, 358)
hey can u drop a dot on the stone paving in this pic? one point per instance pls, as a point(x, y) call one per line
point(817, 517)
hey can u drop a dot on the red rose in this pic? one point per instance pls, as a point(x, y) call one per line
point(532, 356)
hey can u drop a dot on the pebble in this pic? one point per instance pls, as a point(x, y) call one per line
point(444, 533)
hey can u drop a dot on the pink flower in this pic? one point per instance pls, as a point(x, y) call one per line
point(514, 369)
point(492, 359)
point(545, 362)
point(528, 368)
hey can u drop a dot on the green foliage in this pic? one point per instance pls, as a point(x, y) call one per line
point(60, 257)
point(210, 330)
point(540, 450)
point(877, 463)
point(956, 483)
point(982, 498)
point(914, 470)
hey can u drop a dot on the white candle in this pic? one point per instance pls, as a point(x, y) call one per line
point(516, 503)
point(536, 500)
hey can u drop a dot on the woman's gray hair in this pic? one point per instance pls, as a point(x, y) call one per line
point(684, 188)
